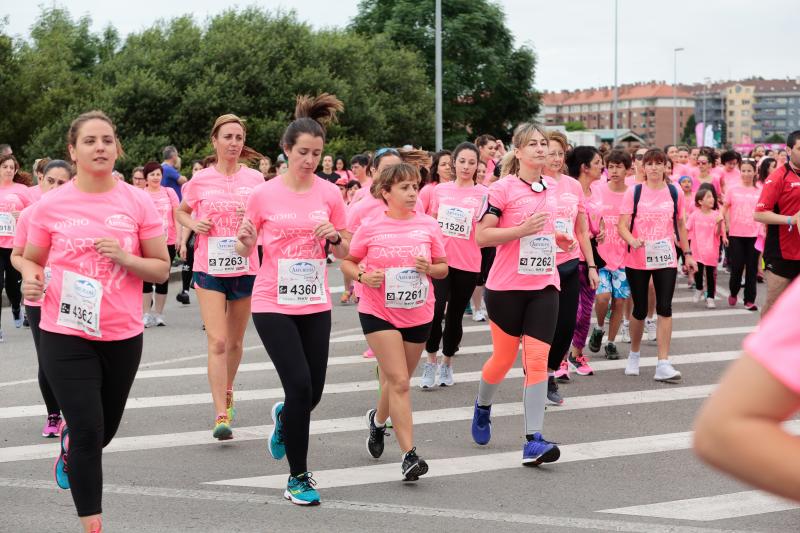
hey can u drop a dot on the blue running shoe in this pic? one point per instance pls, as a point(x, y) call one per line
point(60, 467)
point(537, 451)
point(277, 448)
point(482, 424)
point(300, 490)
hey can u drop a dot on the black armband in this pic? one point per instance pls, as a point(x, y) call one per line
point(492, 210)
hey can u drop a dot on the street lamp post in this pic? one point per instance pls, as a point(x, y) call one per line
point(615, 106)
point(675, 96)
point(438, 80)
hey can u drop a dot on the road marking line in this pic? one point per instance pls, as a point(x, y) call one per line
point(339, 425)
point(490, 462)
point(710, 508)
point(148, 402)
point(378, 507)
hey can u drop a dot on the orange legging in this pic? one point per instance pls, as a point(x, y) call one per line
point(505, 348)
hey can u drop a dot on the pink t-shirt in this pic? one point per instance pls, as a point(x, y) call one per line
point(653, 224)
point(729, 179)
point(368, 208)
point(166, 201)
point(703, 231)
point(688, 204)
point(741, 202)
point(286, 220)
point(715, 182)
point(570, 202)
point(489, 174)
point(774, 344)
point(21, 238)
point(35, 193)
point(13, 197)
point(216, 197)
point(387, 243)
point(425, 195)
point(613, 248)
point(363, 192)
point(67, 221)
point(518, 202)
point(456, 204)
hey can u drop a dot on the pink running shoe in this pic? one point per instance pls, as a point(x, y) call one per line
point(732, 301)
point(562, 374)
point(580, 365)
point(368, 354)
point(52, 427)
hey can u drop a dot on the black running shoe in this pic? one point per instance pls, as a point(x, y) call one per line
point(611, 351)
point(596, 339)
point(183, 297)
point(376, 435)
point(413, 467)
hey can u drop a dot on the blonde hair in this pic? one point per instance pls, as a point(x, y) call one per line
point(522, 136)
point(248, 154)
point(560, 138)
point(83, 118)
point(392, 175)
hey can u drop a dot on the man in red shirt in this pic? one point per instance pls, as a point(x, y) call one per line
point(779, 208)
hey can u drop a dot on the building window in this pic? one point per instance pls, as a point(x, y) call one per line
point(731, 113)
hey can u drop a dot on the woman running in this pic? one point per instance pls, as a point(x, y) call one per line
point(456, 206)
point(401, 250)
point(101, 237)
point(166, 202)
point(740, 204)
point(15, 197)
point(56, 173)
point(223, 279)
point(299, 215)
point(650, 236)
point(577, 271)
point(441, 172)
point(522, 288)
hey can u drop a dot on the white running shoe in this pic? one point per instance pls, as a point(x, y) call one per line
point(650, 329)
point(710, 303)
point(632, 368)
point(479, 316)
point(428, 376)
point(159, 320)
point(666, 372)
point(625, 332)
point(697, 296)
point(445, 376)
point(149, 320)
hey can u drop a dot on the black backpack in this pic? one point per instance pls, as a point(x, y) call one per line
point(637, 194)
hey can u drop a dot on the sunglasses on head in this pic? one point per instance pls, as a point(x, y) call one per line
point(380, 151)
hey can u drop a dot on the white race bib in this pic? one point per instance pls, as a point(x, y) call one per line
point(658, 254)
point(301, 282)
point(80, 303)
point(537, 254)
point(405, 288)
point(222, 257)
point(564, 225)
point(8, 225)
point(455, 221)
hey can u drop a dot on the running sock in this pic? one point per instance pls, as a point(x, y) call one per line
point(534, 395)
point(505, 348)
point(634, 355)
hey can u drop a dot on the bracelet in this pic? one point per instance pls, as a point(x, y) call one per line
point(338, 240)
point(789, 221)
point(593, 266)
point(688, 253)
point(359, 276)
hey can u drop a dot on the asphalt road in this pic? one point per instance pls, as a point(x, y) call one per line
point(626, 463)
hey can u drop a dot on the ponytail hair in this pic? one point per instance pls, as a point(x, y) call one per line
point(312, 115)
point(522, 136)
point(248, 154)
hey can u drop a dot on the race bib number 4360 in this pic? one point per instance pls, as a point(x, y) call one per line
point(222, 257)
point(79, 307)
point(301, 282)
point(405, 288)
point(537, 254)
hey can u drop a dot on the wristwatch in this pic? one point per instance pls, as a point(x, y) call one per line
point(338, 240)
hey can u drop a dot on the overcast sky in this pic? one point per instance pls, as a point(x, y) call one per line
point(573, 40)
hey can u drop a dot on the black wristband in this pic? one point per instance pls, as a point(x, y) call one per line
point(338, 240)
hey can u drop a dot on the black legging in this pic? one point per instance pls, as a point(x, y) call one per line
point(454, 292)
point(10, 278)
point(711, 279)
point(298, 347)
point(567, 312)
point(187, 268)
point(664, 282)
point(531, 313)
point(743, 257)
point(161, 288)
point(91, 381)
point(34, 314)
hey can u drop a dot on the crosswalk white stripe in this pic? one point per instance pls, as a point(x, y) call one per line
point(338, 425)
point(148, 402)
point(485, 327)
point(720, 507)
point(472, 464)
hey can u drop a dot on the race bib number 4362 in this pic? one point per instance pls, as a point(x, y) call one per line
point(79, 307)
point(222, 257)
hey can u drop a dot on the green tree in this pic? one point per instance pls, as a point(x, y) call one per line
point(487, 82)
point(575, 125)
point(689, 136)
point(776, 138)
